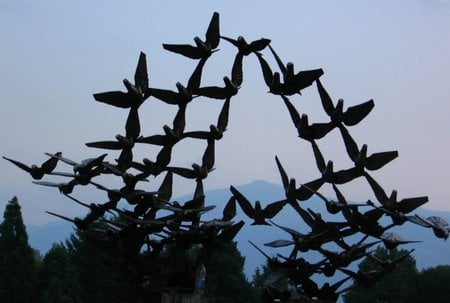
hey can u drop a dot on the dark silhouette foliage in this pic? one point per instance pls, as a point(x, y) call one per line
point(17, 258)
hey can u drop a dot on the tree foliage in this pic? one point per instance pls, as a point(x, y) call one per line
point(433, 285)
point(396, 286)
point(58, 279)
point(225, 278)
point(95, 275)
point(17, 258)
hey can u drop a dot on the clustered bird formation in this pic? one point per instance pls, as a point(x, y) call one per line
point(154, 223)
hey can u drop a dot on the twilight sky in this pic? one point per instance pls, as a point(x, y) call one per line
point(56, 54)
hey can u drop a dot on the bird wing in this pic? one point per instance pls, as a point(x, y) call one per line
point(350, 144)
point(155, 139)
point(279, 62)
point(165, 189)
point(304, 192)
point(245, 204)
point(213, 32)
point(327, 103)
point(184, 49)
point(105, 145)
point(165, 95)
point(115, 98)
point(379, 192)
point(354, 114)
point(306, 78)
point(259, 45)
point(141, 75)
point(222, 121)
point(266, 70)
point(208, 155)
point(273, 208)
point(195, 79)
point(132, 125)
point(378, 160)
point(409, 204)
point(229, 211)
point(295, 116)
point(237, 75)
point(284, 176)
point(20, 165)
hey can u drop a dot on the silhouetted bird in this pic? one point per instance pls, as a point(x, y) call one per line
point(197, 171)
point(388, 263)
point(257, 213)
point(135, 95)
point(306, 131)
point(79, 223)
point(244, 49)
point(348, 255)
point(302, 242)
point(328, 174)
point(439, 225)
point(37, 172)
point(290, 190)
point(404, 206)
point(86, 169)
point(334, 207)
point(202, 49)
point(172, 135)
point(330, 292)
point(215, 132)
point(360, 158)
point(65, 188)
point(392, 240)
point(292, 83)
point(183, 95)
point(229, 90)
point(229, 211)
point(352, 116)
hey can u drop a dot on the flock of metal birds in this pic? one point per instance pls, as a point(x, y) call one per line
point(153, 221)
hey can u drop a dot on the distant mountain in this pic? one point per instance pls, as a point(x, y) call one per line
point(431, 252)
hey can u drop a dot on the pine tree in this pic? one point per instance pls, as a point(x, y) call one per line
point(95, 274)
point(58, 278)
point(397, 286)
point(17, 258)
point(225, 278)
point(432, 285)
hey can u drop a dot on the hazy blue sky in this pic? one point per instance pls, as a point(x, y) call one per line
point(56, 54)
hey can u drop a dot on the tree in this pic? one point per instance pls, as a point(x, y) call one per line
point(58, 278)
point(94, 275)
point(396, 286)
point(225, 278)
point(17, 258)
point(433, 284)
point(264, 273)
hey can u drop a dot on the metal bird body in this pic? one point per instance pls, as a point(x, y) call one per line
point(293, 83)
point(352, 116)
point(136, 93)
point(216, 131)
point(202, 49)
point(244, 49)
point(391, 203)
point(229, 90)
point(257, 213)
point(37, 172)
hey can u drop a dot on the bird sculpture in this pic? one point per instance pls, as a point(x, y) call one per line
point(257, 213)
point(244, 49)
point(37, 172)
point(202, 49)
point(136, 93)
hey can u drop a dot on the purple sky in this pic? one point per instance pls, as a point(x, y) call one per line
point(55, 54)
